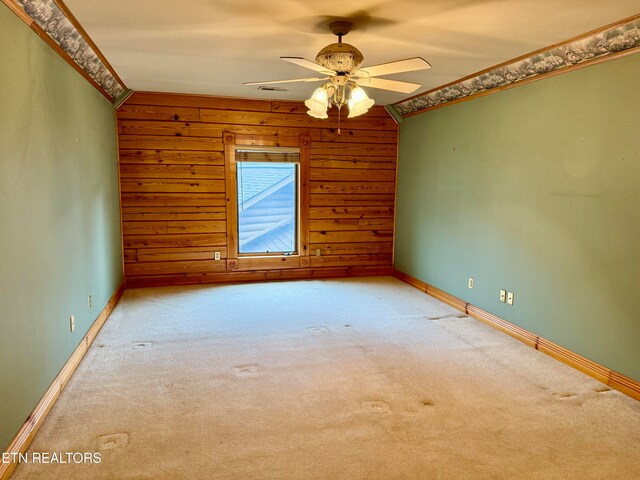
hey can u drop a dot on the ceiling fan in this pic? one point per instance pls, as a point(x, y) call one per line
point(340, 66)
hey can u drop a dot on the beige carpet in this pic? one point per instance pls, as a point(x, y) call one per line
point(333, 379)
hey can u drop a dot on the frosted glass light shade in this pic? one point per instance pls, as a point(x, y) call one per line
point(359, 102)
point(318, 113)
point(318, 103)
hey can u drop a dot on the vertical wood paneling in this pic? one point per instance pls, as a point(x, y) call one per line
point(231, 198)
point(305, 177)
point(177, 198)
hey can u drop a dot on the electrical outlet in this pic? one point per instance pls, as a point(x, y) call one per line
point(90, 301)
point(72, 323)
point(509, 298)
point(318, 253)
point(503, 296)
point(470, 282)
point(216, 255)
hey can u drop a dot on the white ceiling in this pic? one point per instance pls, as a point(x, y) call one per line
point(212, 46)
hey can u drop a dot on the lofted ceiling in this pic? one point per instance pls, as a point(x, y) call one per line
point(212, 46)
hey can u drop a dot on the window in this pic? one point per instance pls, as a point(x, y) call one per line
point(267, 195)
point(267, 187)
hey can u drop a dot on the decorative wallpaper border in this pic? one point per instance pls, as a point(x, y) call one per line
point(53, 20)
point(605, 42)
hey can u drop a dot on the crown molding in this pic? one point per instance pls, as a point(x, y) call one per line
point(54, 22)
point(605, 43)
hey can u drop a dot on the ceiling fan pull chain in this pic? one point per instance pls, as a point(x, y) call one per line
point(339, 111)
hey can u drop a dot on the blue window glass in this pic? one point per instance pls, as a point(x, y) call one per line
point(267, 207)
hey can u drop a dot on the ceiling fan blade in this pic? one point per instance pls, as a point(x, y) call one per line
point(384, 84)
point(292, 80)
point(408, 65)
point(303, 62)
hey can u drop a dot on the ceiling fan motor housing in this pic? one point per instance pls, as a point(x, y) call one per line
point(340, 57)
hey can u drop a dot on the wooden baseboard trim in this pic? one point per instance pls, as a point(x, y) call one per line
point(625, 384)
point(414, 282)
point(506, 327)
point(258, 276)
point(609, 377)
point(446, 298)
point(25, 435)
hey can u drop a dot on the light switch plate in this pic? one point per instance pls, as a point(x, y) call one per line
point(503, 296)
point(470, 282)
point(509, 298)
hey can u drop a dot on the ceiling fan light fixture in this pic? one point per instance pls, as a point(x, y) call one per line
point(359, 103)
point(340, 63)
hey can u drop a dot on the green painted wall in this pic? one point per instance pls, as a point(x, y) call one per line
point(59, 215)
point(535, 190)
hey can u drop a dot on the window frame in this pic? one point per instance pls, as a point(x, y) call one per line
point(296, 250)
point(261, 261)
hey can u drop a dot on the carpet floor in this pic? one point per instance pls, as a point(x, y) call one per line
point(327, 379)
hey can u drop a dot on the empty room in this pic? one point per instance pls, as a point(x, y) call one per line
point(310, 239)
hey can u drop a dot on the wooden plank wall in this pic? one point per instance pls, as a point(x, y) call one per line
point(172, 181)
